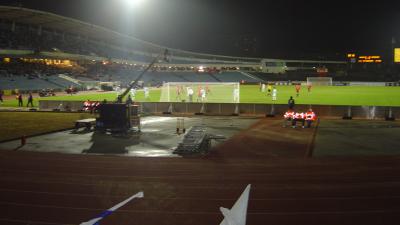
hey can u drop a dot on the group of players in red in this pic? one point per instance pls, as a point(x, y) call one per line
point(293, 117)
point(298, 87)
point(202, 92)
point(90, 106)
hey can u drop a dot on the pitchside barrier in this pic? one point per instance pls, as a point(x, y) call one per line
point(226, 109)
point(61, 105)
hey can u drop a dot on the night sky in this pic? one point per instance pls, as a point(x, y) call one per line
point(276, 29)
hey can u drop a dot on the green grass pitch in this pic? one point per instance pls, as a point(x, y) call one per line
point(319, 95)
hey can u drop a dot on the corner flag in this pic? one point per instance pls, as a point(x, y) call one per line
point(237, 215)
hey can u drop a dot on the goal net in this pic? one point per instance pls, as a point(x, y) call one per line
point(200, 92)
point(319, 81)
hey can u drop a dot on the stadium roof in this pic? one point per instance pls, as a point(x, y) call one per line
point(57, 22)
point(69, 25)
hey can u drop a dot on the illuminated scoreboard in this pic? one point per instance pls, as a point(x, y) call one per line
point(369, 59)
point(366, 58)
point(397, 55)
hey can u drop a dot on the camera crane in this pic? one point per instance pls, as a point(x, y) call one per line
point(119, 116)
point(133, 83)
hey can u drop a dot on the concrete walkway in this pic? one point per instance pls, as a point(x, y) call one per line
point(357, 137)
point(157, 139)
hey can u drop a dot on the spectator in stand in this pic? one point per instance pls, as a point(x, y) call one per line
point(30, 100)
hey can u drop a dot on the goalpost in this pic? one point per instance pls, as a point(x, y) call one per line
point(200, 92)
point(319, 81)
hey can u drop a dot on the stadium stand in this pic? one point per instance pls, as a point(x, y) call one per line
point(32, 76)
point(22, 28)
point(126, 73)
point(60, 82)
point(99, 54)
point(236, 77)
point(25, 83)
point(24, 37)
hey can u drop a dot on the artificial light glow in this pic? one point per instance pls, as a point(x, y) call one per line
point(201, 69)
point(133, 3)
point(397, 55)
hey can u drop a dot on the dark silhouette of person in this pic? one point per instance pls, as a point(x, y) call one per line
point(129, 101)
point(20, 102)
point(291, 102)
point(30, 100)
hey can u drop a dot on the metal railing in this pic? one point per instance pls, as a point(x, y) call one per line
point(226, 109)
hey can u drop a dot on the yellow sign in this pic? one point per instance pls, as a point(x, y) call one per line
point(369, 59)
point(397, 55)
point(351, 55)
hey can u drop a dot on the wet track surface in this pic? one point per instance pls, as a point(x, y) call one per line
point(287, 188)
point(158, 137)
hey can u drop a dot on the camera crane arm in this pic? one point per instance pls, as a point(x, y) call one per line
point(133, 83)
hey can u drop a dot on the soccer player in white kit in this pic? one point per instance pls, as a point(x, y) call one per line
point(263, 88)
point(236, 95)
point(146, 93)
point(274, 94)
point(203, 94)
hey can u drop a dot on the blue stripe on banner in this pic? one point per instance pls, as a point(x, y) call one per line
point(105, 213)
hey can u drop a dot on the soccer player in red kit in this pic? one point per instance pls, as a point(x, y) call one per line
point(298, 87)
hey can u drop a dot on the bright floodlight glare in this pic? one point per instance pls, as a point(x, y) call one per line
point(133, 3)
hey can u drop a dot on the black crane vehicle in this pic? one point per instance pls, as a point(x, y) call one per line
point(120, 117)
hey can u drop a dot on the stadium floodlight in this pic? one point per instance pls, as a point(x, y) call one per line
point(133, 3)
